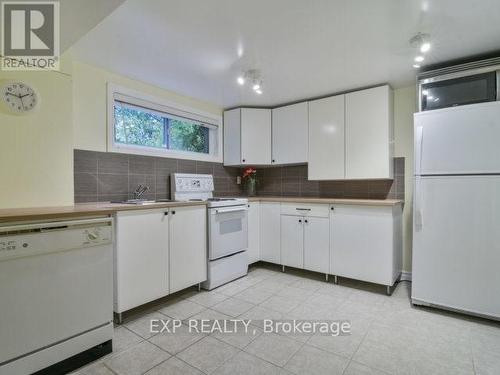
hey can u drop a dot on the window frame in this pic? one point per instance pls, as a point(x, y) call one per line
point(162, 106)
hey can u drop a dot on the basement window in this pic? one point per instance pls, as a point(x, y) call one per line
point(142, 126)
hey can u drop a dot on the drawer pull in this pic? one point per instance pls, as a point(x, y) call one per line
point(303, 209)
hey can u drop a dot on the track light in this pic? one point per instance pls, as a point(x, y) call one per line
point(252, 76)
point(425, 47)
point(421, 42)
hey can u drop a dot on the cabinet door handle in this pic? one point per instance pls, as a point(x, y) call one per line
point(300, 221)
point(165, 213)
point(173, 212)
point(303, 209)
point(332, 208)
point(305, 221)
point(243, 160)
point(273, 161)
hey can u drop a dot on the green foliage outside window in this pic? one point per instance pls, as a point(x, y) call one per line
point(187, 136)
point(136, 127)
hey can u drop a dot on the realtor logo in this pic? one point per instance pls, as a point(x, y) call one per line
point(30, 35)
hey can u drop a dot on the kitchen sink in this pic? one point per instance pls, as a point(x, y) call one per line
point(142, 201)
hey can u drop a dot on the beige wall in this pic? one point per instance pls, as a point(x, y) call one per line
point(89, 103)
point(404, 106)
point(36, 150)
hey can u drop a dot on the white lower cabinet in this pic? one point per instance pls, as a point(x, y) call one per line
point(188, 246)
point(292, 241)
point(253, 232)
point(141, 258)
point(270, 230)
point(366, 243)
point(317, 244)
point(361, 242)
point(305, 242)
point(157, 253)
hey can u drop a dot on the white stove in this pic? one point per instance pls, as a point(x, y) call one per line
point(225, 202)
point(199, 187)
point(227, 227)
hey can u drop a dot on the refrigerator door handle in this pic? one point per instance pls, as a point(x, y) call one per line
point(419, 137)
point(419, 214)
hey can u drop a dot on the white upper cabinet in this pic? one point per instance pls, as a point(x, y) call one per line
point(369, 134)
point(255, 136)
point(326, 139)
point(289, 135)
point(247, 136)
point(232, 137)
point(349, 136)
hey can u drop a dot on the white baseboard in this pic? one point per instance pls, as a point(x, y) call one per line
point(405, 276)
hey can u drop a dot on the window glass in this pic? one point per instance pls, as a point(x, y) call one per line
point(137, 126)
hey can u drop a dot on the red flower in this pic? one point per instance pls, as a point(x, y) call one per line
point(249, 171)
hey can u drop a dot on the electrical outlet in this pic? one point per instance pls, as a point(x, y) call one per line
point(238, 180)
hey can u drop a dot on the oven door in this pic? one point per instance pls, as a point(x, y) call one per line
point(228, 231)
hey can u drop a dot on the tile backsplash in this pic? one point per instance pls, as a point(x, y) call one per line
point(104, 176)
point(292, 181)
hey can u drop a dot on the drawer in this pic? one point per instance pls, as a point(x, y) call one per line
point(305, 209)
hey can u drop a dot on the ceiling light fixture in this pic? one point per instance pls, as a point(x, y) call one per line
point(425, 47)
point(252, 76)
point(421, 42)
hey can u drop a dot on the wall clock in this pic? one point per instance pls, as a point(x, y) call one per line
point(18, 97)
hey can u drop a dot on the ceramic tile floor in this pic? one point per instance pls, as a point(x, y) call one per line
point(389, 336)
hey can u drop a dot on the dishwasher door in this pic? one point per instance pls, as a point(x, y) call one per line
point(56, 282)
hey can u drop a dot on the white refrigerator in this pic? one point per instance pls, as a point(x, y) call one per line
point(456, 218)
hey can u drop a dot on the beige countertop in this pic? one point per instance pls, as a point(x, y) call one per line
point(364, 202)
point(81, 210)
point(107, 209)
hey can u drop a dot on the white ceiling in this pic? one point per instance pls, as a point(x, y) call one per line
point(77, 17)
point(304, 48)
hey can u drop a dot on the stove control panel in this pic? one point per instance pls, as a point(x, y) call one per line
point(187, 186)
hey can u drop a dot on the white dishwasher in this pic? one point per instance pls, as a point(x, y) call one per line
point(56, 295)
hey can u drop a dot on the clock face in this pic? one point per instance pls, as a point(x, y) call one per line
point(18, 97)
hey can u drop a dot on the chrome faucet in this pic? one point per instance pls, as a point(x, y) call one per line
point(138, 193)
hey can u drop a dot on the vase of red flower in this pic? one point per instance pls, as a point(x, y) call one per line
point(250, 181)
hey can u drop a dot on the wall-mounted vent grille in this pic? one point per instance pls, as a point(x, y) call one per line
point(483, 65)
